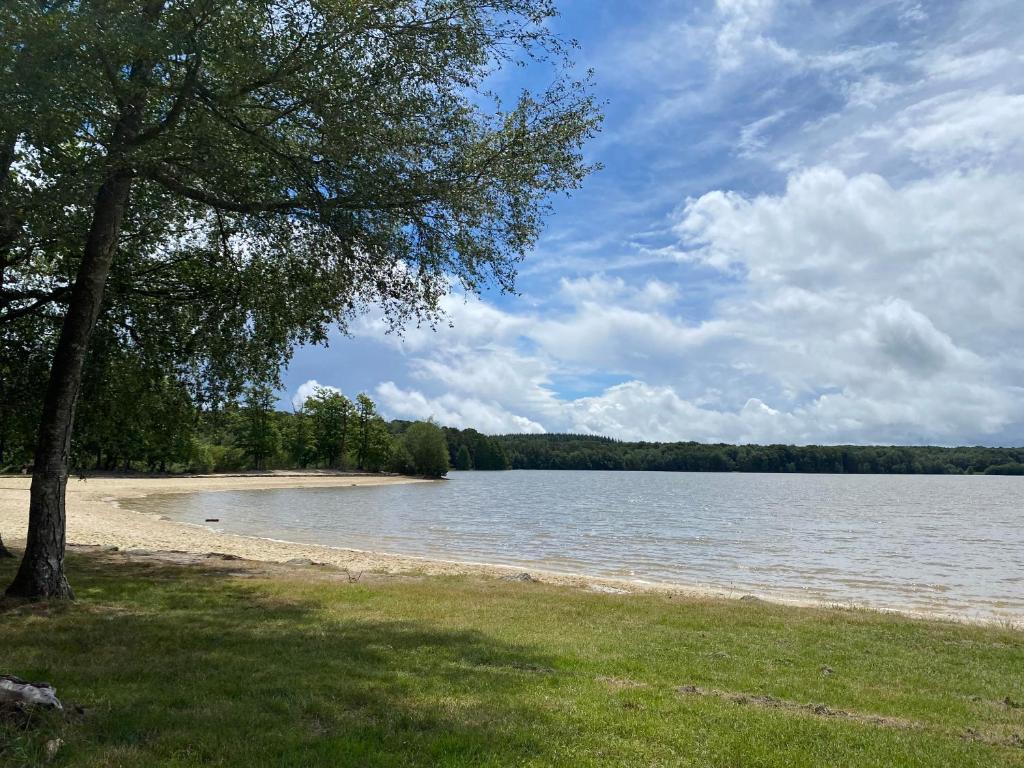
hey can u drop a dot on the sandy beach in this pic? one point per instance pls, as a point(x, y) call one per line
point(102, 513)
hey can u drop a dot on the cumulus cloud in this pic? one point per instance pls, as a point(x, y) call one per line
point(452, 410)
point(306, 390)
point(866, 312)
point(636, 410)
point(899, 303)
point(833, 246)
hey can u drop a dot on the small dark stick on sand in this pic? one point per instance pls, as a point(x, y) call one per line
point(212, 520)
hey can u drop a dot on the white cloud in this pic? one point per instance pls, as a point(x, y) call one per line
point(599, 289)
point(912, 13)
point(836, 241)
point(635, 410)
point(858, 319)
point(521, 382)
point(897, 303)
point(306, 390)
point(621, 338)
point(742, 33)
point(752, 135)
point(903, 337)
point(964, 128)
point(471, 321)
point(948, 64)
point(870, 91)
point(451, 410)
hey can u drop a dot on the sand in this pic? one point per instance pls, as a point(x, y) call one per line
point(102, 512)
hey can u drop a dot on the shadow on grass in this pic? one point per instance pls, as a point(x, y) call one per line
point(185, 666)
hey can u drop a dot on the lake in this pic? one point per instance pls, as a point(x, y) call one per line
point(941, 544)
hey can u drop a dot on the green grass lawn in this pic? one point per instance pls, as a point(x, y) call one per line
point(186, 666)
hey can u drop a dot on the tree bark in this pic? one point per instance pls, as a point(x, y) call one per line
point(41, 573)
point(20, 692)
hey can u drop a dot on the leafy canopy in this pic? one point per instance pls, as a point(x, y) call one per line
point(292, 162)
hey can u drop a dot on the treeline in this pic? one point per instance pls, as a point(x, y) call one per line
point(133, 419)
point(466, 448)
point(469, 449)
point(568, 451)
point(153, 425)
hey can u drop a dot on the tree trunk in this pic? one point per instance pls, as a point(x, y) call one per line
point(41, 573)
point(344, 431)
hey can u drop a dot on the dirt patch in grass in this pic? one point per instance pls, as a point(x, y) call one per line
point(765, 701)
point(983, 736)
point(619, 683)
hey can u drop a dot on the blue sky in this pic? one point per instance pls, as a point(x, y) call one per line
point(808, 229)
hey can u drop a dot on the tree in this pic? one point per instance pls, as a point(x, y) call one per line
point(366, 412)
point(489, 455)
point(300, 440)
point(378, 447)
point(260, 436)
point(400, 460)
point(23, 365)
point(234, 178)
point(131, 411)
point(330, 412)
point(462, 458)
point(169, 424)
point(428, 449)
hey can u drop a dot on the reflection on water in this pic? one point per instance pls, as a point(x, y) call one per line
point(934, 543)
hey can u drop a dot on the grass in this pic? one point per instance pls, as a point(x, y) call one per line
point(188, 666)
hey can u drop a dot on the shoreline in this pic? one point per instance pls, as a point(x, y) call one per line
point(100, 514)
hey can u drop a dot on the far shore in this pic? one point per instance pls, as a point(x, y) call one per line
point(101, 514)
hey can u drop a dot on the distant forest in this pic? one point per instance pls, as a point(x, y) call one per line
point(567, 451)
point(142, 427)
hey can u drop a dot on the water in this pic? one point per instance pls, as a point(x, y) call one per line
point(948, 545)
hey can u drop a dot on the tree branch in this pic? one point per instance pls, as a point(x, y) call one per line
point(218, 202)
point(174, 113)
point(14, 314)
